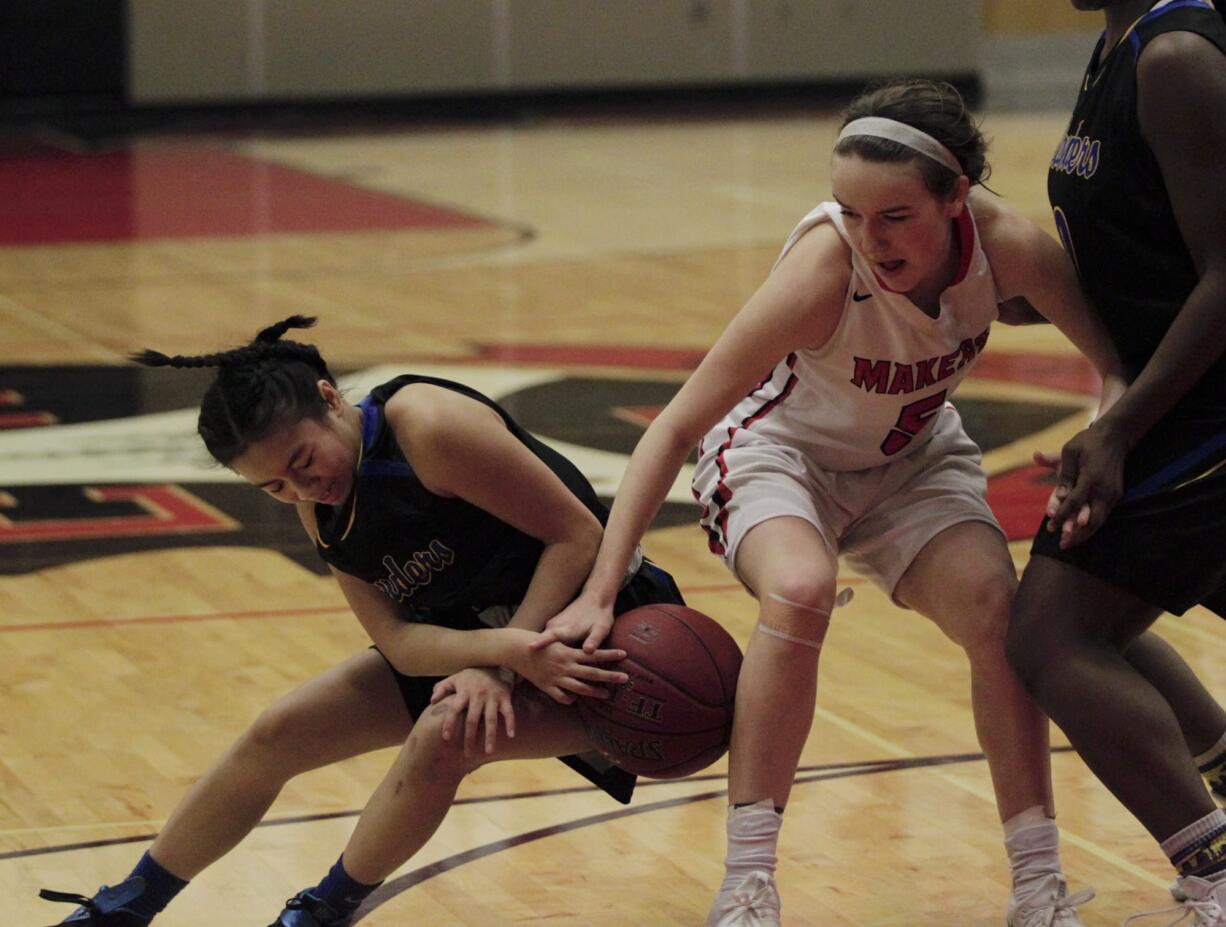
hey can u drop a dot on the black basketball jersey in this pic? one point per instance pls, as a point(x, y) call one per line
point(430, 552)
point(1111, 205)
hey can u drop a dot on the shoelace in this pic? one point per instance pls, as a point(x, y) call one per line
point(759, 896)
point(1206, 913)
point(1050, 903)
point(88, 903)
point(80, 900)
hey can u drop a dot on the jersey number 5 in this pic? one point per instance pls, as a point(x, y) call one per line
point(911, 421)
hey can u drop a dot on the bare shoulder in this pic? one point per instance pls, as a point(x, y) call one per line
point(432, 423)
point(421, 410)
point(817, 270)
point(1018, 251)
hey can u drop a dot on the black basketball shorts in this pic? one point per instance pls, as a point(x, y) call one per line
point(1165, 541)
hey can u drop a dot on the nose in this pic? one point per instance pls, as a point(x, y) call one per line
point(302, 486)
point(875, 235)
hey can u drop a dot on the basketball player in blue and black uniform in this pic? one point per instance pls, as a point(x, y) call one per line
point(454, 535)
point(1137, 521)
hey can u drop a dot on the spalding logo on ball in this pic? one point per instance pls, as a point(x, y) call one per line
point(674, 716)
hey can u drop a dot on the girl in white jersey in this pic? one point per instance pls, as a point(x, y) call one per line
point(877, 308)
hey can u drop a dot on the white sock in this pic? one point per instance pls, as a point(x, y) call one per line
point(753, 835)
point(1032, 841)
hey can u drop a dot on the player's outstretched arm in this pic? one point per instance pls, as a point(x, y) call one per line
point(799, 305)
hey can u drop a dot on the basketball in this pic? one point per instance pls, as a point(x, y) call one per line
point(674, 716)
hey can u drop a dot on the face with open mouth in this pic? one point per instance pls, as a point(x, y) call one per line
point(903, 230)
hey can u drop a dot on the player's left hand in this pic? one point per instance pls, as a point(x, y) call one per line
point(1089, 482)
point(481, 695)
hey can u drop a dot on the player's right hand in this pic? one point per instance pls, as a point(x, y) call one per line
point(580, 621)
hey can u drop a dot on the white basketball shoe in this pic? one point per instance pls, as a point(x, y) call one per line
point(1200, 899)
point(754, 902)
point(1045, 902)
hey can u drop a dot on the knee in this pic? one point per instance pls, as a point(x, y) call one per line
point(426, 748)
point(798, 606)
point(986, 627)
point(1025, 645)
point(278, 731)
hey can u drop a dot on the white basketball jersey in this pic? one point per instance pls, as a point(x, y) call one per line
point(875, 390)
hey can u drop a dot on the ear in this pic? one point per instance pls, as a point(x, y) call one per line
point(330, 395)
point(957, 197)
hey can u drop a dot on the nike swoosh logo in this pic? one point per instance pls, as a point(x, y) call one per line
point(860, 297)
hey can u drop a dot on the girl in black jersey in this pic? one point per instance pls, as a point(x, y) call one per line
point(454, 535)
point(1137, 521)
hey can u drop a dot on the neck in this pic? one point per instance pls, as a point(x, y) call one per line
point(1121, 15)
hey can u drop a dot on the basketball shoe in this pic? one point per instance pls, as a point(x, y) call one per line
point(752, 903)
point(305, 910)
point(108, 908)
point(1203, 900)
point(1046, 903)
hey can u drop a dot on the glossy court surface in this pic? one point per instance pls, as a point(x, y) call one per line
point(575, 269)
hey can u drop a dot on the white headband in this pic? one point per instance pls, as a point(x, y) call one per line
point(900, 132)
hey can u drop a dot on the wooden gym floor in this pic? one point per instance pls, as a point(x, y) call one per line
point(150, 606)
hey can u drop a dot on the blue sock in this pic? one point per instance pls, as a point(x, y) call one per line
point(161, 886)
point(342, 892)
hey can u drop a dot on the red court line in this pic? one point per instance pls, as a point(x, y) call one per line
point(260, 615)
point(172, 619)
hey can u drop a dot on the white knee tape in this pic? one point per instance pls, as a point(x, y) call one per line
point(790, 638)
point(820, 612)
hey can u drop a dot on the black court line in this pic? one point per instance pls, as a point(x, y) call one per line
point(805, 774)
point(397, 886)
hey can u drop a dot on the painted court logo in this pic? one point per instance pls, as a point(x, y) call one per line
point(1077, 154)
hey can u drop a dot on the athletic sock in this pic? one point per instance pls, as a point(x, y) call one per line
point(1212, 766)
point(340, 891)
point(1032, 841)
point(161, 886)
point(1200, 848)
point(753, 835)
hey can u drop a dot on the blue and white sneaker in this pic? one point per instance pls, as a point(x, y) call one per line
point(305, 910)
point(108, 908)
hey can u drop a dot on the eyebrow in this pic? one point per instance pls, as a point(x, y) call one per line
point(900, 208)
point(289, 466)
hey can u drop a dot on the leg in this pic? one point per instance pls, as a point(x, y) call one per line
point(964, 580)
point(787, 564)
point(1066, 639)
point(1201, 718)
point(351, 709)
point(412, 800)
point(792, 572)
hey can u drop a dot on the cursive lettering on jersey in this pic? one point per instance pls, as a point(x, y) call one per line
point(403, 579)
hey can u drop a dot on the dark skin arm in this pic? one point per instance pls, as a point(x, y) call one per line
point(1181, 81)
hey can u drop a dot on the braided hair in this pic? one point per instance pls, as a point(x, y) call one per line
point(259, 388)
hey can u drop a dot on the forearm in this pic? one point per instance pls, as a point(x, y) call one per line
point(653, 467)
point(429, 650)
point(560, 572)
point(1193, 343)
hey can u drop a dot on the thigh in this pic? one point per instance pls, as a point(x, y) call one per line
point(749, 485)
point(1163, 541)
point(962, 579)
point(788, 556)
point(939, 487)
point(1058, 603)
point(350, 709)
